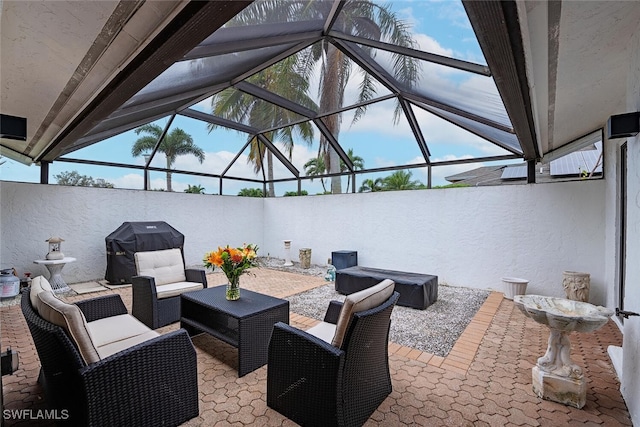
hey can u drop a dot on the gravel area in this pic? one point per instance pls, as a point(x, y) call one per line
point(434, 330)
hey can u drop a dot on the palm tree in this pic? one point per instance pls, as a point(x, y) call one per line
point(251, 192)
point(356, 161)
point(175, 143)
point(369, 185)
point(195, 189)
point(315, 167)
point(368, 20)
point(359, 18)
point(283, 79)
point(400, 180)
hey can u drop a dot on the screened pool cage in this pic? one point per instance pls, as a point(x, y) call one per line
point(259, 75)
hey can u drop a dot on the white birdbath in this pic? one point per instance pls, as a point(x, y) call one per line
point(555, 376)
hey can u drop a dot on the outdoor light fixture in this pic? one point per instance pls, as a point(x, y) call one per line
point(623, 125)
point(12, 127)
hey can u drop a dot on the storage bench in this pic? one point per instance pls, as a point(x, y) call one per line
point(416, 290)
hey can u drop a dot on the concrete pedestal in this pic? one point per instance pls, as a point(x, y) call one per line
point(287, 253)
point(565, 390)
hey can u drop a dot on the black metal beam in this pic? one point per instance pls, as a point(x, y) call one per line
point(333, 15)
point(417, 99)
point(275, 99)
point(195, 22)
point(279, 155)
point(334, 143)
point(330, 113)
point(415, 128)
point(531, 171)
point(238, 154)
point(418, 54)
point(468, 129)
point(219, 121)
point(358, 56)
point(497, 28)
point(215, 49)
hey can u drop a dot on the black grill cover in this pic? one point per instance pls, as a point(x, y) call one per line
point(132, 237)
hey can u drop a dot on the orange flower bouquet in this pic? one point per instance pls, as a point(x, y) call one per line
point(233, 262)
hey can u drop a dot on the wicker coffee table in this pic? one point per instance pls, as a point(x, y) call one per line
point(245, 324)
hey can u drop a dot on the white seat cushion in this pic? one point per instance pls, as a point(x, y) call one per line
point(323, 330)
point(114, 347)
point(165, 266)
point(175, 289)
point(115, 328)
point(361, 301)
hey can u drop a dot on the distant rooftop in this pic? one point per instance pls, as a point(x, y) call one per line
point(573, 166)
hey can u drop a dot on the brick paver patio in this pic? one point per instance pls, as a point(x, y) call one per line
point(484, 381)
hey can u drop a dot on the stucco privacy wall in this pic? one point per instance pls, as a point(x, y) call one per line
point(467, 236)
point(31, 213)
point(631, 344)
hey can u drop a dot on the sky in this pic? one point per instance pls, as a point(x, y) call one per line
point(439, 27)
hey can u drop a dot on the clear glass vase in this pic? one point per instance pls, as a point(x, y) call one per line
point(233, 288)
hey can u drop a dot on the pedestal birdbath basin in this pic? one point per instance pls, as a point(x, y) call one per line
point(555, 376)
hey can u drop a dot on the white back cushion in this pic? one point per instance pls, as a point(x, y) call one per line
point(38, 284)
point(165, 266)
point(69, 317)
point(361, 301)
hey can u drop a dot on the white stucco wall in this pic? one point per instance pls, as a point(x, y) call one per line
point(31, 213)
point(467, 236)
point(631, 344)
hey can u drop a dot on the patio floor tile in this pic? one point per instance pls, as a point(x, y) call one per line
point(484, 381)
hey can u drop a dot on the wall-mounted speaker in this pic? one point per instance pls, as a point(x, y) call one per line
point(12, 127)
point(623, 125)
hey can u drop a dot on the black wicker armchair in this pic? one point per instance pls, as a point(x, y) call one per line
point(156, 299)
point(315, 383)
point(149, 384)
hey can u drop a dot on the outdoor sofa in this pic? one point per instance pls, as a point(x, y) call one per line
point(161, 279)
point(102, 367)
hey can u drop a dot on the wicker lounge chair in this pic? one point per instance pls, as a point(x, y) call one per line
point(161, 278)
point(151, 383)
point(319, 383)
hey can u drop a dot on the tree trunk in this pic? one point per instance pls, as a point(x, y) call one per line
point(168, 176)
point(272, 191)
point(330, 101)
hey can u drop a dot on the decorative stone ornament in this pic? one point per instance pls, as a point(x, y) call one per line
point(54, 248)
point(576, 285)
point(305, 257)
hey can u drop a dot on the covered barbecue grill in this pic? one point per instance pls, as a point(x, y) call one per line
point(132, 237)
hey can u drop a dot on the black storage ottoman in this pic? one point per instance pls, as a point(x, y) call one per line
point(344, 259)
point(416, 290)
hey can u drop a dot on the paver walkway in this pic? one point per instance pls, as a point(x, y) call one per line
point(484, 381)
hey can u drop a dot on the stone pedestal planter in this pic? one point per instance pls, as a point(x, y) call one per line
point(305, 257)
point(576, 285)
point(514, 286)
